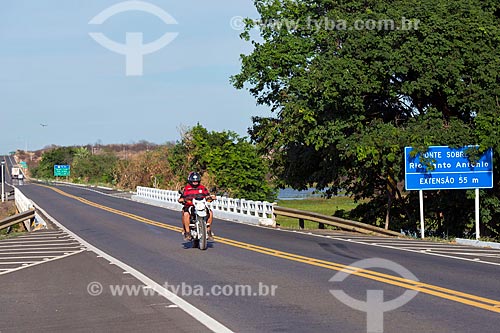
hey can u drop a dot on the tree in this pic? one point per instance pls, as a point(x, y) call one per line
point(349, 90)
point(225, 160)
point(93, 168)
point(61, 155)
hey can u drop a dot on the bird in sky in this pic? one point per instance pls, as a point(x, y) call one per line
point(44, 125)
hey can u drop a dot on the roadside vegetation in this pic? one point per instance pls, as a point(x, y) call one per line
point(333, 206)
point(228, 163)
point(7, 209)
point(347, 101)
point(344, 103)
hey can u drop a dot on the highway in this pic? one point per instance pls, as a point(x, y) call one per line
point(254, 279)
point(288, 275)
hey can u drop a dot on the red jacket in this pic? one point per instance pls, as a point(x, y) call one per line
point(189, 192)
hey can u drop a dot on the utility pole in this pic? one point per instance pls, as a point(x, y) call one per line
point(3, 181)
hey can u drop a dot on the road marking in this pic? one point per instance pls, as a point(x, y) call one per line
point(492, 255)
point(26, 241)
point(15, 257)
point(31, 244)
point(17, 262)
point(364, 241)
point(444, 248)
point(61, 248)
point(418, 251)
point(32, 252)
point(27, 251)
point(44, 234)
point(38, 263)
point(453, 295)
point(196, 313)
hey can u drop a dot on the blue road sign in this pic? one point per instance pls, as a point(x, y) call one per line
point(451, 169)
point(61, 170)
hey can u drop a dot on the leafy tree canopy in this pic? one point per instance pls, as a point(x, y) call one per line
point(61, 155)
point(227, 161)
point(347, 97)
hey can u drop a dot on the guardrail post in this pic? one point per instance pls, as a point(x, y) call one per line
point(321, 225)
point(301, 223)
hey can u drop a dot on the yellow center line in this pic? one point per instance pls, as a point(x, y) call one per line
point(454, 295)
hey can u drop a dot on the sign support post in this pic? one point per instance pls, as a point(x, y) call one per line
point(422, 227)
point(477, 214)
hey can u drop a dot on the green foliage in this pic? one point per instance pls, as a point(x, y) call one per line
point(227, 161)
point(347, 101)
point(93, 168)
point(62, 155)
point(84, 166)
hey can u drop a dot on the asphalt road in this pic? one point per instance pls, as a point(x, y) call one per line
point(288, 274)
point(55, 296)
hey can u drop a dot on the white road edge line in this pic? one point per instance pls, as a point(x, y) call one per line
point(429, 253)
point(196, 313)
point(389, 247)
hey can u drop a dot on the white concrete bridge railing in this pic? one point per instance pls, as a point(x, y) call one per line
point(239, 210)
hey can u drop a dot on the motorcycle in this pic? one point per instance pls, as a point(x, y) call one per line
point(198, 217)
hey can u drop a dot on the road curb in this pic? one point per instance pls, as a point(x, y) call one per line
point(472, 242)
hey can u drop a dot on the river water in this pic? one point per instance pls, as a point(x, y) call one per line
point(291, 194)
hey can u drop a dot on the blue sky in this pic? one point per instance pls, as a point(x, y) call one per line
point(53, 72)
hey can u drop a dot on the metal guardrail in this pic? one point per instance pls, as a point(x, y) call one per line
point(18, 218)
point(333, 221)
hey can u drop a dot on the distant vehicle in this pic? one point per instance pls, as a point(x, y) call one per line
point(15, 171)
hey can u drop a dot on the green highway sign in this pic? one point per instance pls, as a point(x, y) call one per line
point(61, 170)
point(24, 164)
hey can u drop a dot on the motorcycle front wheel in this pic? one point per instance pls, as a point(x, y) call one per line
point(203, 234)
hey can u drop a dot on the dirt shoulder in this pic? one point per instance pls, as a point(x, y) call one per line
point(7, 208)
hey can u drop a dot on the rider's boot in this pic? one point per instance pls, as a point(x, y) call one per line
point(209, 232)
point(187, 236)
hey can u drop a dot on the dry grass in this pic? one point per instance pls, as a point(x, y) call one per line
point(7, 209)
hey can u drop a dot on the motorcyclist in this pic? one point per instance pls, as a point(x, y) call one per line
point(191, 190)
